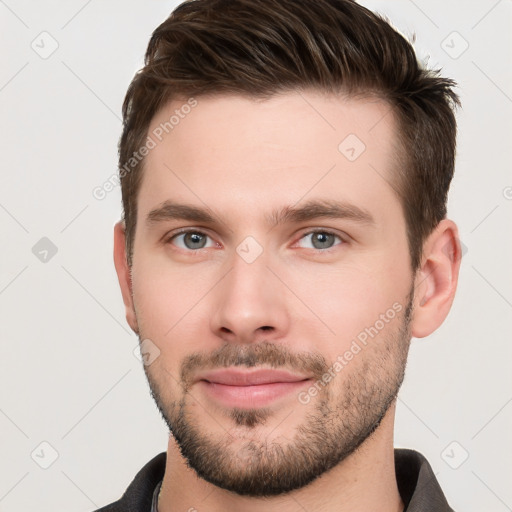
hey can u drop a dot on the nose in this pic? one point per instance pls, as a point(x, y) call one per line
point(250, 304)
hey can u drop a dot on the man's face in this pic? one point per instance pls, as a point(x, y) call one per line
point(283, 246)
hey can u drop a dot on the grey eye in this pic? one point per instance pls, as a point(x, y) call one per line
point(322, 240)
point(194, 240)
point(190, 240)
point(319, 240)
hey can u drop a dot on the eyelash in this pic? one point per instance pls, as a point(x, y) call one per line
point(170, 238)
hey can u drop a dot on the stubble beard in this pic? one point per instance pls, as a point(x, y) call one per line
point(248, 463)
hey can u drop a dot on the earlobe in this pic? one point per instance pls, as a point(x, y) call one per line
point(436, 279)
point(124, 274)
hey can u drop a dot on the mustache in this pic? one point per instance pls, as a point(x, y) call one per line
point(260, 354)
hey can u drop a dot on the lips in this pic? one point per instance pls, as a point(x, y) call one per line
point(237, 377)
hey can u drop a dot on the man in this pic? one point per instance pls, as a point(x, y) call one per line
point(284, 170)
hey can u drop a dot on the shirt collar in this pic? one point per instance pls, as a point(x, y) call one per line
point(156, 492)
point(417, 484)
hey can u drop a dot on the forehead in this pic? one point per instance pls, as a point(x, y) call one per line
point(232, 153)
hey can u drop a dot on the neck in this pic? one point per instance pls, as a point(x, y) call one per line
point(364, 481)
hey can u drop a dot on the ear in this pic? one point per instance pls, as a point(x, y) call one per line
point(436, 279)
point(124, 274)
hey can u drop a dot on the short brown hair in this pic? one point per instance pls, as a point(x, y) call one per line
point(262, 47)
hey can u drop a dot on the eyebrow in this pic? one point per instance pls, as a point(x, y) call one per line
point(310, 210)
point(315, 209)
point(169, 210)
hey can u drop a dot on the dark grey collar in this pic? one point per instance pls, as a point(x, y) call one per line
point(417, 485)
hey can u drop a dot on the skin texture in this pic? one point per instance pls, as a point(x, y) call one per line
point(298, 305)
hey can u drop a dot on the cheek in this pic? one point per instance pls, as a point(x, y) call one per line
point(171, 306)
point(343, 303)
point(159, 299)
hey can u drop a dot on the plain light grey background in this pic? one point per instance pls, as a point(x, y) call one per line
point(76, 418)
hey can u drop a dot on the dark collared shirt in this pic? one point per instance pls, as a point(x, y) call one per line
point(417, 485)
